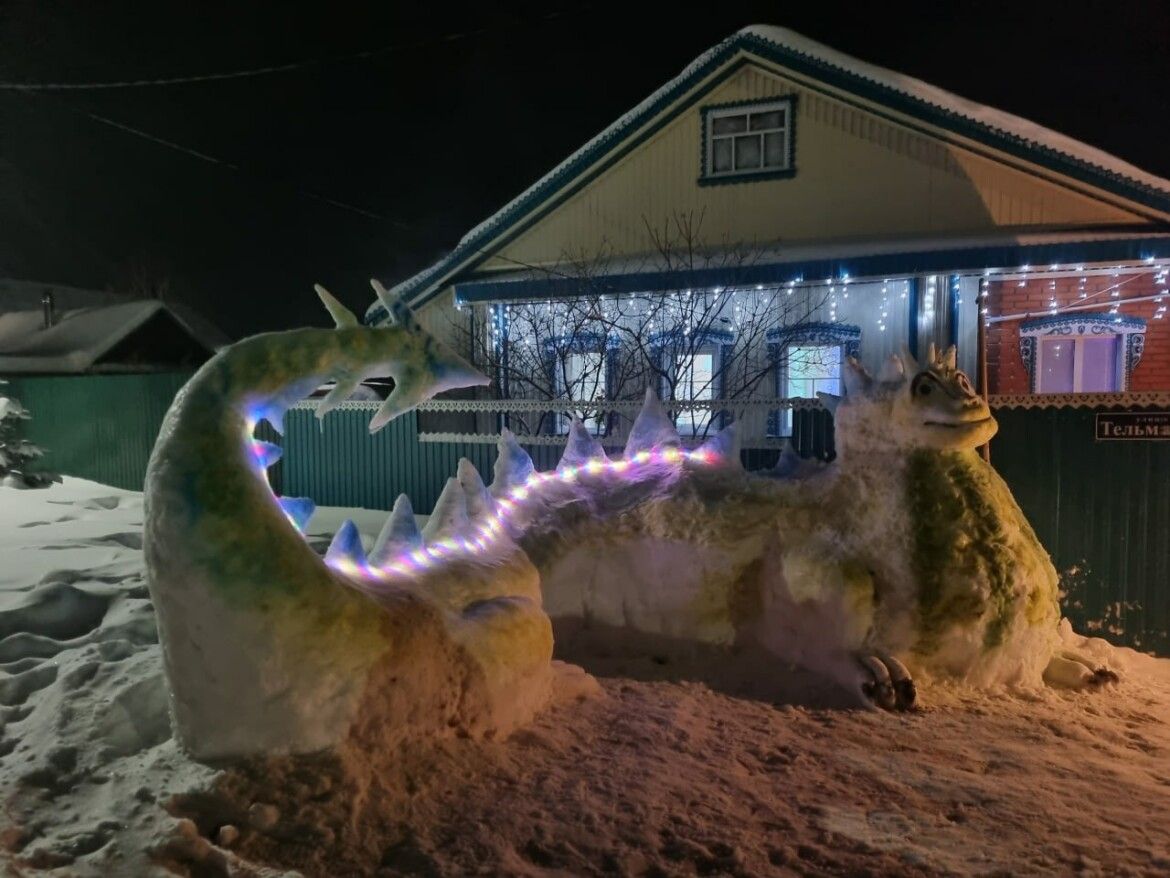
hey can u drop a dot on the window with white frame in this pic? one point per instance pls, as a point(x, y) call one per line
point(808, 359)
point(1088, 364)
point(810, 369)
point(1081, 353)
point(695, 381)
point(745, 140)
point(583, 379)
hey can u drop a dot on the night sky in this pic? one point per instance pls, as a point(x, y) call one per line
point(451, 113)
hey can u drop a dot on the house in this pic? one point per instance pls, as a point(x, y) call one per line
point(98, 372)
point(836, 208)
point(777, 207)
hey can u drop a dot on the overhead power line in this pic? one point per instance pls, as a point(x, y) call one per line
point(260, 71)
point(204, 157)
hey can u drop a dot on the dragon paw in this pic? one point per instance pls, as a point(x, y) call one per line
point(1075, 670)
point(886, 683)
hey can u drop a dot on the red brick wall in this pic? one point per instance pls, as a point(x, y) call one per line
point(1005, 368)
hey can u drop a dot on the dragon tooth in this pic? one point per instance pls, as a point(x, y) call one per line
point(266, 453)
point(416, 383)
point(346, 547)
point(298, 509)
point(341, 391)
point(479, 501)
point(399, 534)
point(513, 466)
point(652, 429)
point(449, 518)
point(581, 447)
point(723, 446)
point(274, 415)
point(342, 316)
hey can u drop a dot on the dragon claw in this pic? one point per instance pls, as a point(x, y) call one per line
point(876, 685)
point(886, 682)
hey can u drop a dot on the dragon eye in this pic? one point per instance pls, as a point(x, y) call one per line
point(923, 389)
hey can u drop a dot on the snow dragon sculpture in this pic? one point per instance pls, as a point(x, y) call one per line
point(270, 648)
point(907, 554)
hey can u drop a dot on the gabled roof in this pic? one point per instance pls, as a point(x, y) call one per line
point(81, 337)
point(994, 128)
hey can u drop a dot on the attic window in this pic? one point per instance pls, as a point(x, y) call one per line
point(747, 141)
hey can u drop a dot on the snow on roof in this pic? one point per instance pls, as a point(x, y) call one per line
point(950, 102)
point(789, 46)
point(80, 337)
point(25, 295)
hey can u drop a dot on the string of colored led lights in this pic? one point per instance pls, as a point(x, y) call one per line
point(412, 562)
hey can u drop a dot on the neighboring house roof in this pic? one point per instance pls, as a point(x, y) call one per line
point(994, 128)
point(79, 338)
point(26, 295)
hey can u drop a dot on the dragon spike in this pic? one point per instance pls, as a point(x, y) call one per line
point(857, 378)
point(789, 461)
point(892, 370)
point(449, 518)
point(829, 401)
point(950, 358)
point(724, 446)
point(932, 355)
point(513, 465)
point(342, 316)
point(346, 548)
point(341, 391)
point(909, 363)
point(480, 505)
point(399, 534)
point(398, 310)
point(581, 447)
point(652, 429)
point(266, 453)
point(298, 509)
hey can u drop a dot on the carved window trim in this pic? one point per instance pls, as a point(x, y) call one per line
point(1130, 330)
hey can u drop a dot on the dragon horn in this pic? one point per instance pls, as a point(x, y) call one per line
point(342, 316)
point(399, 312)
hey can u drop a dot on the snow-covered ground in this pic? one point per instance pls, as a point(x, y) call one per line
point(675, 769)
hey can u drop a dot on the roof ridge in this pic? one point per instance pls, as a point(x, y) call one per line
point(805, 50)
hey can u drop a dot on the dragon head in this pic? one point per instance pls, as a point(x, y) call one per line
point(910, 406)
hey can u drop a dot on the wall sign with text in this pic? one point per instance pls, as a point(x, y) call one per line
point(1132, 426)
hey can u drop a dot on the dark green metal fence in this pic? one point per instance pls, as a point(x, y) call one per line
point(1102, 509)
point(99, 427)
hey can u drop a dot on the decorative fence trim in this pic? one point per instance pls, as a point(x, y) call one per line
point(568, 405)
point(766, 442)
point(1081, 400)
point(629, 406)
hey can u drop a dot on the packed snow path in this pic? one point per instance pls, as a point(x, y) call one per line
point(659, 776)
